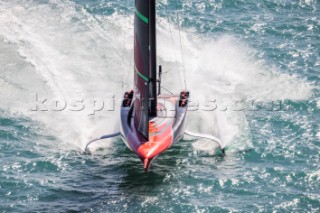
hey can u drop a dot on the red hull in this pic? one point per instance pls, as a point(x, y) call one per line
point(164, 130)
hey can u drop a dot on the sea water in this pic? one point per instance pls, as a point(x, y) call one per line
point(252, 69)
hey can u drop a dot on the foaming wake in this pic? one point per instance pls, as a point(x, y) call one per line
point(62, 51)
point(224, 71)
point(65, 56)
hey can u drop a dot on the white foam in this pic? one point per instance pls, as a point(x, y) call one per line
point(225, 70)
point(318, 104)
point(288, 204)
point(70, 57)
point(314, 175)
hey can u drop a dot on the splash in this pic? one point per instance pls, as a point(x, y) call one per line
point(224, 70)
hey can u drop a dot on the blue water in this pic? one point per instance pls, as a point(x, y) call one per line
point(226, 51)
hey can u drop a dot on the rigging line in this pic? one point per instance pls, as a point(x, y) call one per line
point(167, 90)
point(175, 54)
point(182, 57)
point(123, 61)
point(129, 65)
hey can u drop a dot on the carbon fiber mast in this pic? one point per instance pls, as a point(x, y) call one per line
point(153, 58)
point(145, 79)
